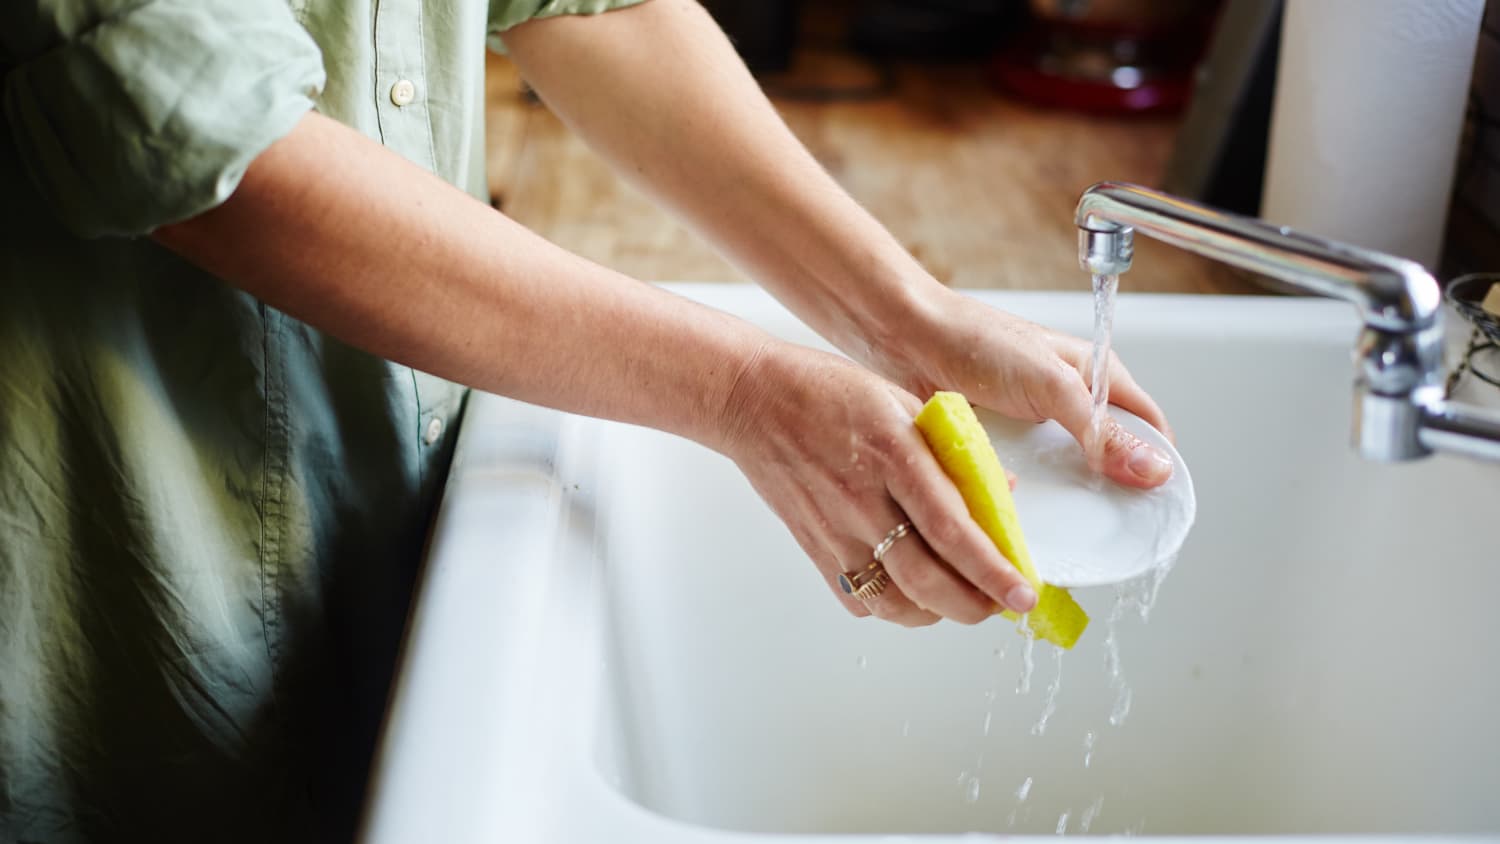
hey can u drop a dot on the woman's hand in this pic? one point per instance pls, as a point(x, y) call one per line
point(832, 449)
point(1020, 369)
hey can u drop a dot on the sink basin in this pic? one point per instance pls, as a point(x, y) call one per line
point(616, 641)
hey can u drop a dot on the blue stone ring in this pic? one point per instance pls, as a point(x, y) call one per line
point(871, 580)
point(865, 583)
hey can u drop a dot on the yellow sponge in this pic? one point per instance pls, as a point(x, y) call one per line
point(959, 442)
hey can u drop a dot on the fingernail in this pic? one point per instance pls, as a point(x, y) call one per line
point(1021, 598)
point(1148, 464)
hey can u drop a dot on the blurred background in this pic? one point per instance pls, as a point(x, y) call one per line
point(970, 127)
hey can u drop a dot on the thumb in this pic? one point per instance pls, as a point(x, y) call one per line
point(1120, 455)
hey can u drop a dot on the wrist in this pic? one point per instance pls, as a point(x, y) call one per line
point(903, 326)
point(774, 384)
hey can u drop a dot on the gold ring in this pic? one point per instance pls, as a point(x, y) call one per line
point(865, 583)
point(890, 539)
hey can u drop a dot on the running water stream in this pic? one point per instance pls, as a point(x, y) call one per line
point(1105, 288)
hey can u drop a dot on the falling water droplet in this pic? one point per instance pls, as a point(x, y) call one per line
point(1122, 707)
point(1088, 747)
point(861, 661)
point(1050, 706)
point(906, 728)
point(1062, 824)
point(1028, 660)
point(1112, 653)
point(1024, 791)
point(1090, 814)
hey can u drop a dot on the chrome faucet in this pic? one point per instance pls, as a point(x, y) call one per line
point(1400, 410)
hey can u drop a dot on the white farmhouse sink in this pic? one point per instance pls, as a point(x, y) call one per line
point(617, 642)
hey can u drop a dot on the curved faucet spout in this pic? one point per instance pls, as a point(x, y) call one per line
point(1392, 294)
point(1399, 409)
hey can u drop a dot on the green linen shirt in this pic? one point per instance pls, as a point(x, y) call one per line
point(211, 514)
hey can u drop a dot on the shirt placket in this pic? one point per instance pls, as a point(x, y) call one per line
point(402, 101)
point(401, 94)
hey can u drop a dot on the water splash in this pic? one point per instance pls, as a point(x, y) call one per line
point(1028, 658)
point(1141, 593)
point(1125, 596)
point(1090, 814)
point(972, 795)
point(1122, 707)
point(966, 779)
point(969, 784)
point(1050, 705)
point(1112, 645)
point(969, 781)
point(1133, 599)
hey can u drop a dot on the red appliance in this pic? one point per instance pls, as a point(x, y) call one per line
point(1107, 56)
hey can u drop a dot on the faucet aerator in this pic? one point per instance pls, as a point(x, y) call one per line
point(1106, 252)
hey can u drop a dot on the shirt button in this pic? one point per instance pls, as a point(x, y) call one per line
point(403, 92)
point(434, 431)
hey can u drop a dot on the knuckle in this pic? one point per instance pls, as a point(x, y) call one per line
point(998, 579)
point(945, 532)
point(1060, 382)
point(913, 577)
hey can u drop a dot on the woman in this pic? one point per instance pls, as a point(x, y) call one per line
point(225, 220)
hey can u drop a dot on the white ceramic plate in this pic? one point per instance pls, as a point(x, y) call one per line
point(1083, 529)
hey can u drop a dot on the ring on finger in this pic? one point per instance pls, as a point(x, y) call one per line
point(890, 539)
point(865, 583)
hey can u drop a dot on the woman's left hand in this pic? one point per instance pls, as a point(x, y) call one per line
point(1022, 370)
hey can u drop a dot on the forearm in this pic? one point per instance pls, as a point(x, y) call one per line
point(660, 93)
point(354, 240)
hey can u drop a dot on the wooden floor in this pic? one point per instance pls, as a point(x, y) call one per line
point(981, 189)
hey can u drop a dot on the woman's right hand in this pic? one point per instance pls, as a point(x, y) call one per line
point(832, 448)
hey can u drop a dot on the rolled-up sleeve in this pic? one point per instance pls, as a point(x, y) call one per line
point(505, 14)
point(152, 114)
